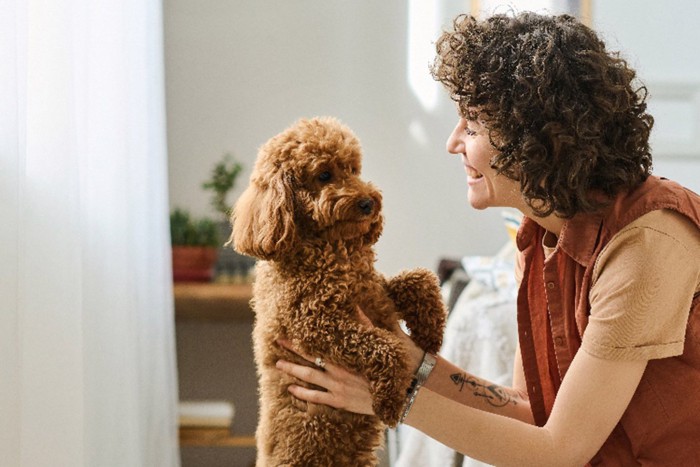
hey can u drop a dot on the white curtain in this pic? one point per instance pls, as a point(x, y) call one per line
point(87, 359)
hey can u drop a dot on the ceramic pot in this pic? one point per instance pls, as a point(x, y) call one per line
point(193, 263)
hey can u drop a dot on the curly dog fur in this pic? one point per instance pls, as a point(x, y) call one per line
point(313, 222)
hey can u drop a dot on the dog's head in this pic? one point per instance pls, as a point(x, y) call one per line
point(306, 186)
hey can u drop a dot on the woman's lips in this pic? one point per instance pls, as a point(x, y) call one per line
point(472, 173)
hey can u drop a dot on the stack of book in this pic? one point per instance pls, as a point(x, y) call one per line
point(205, 422)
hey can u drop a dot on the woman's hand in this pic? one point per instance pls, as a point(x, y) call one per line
point(345, 390)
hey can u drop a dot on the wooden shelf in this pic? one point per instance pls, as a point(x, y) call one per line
point(214, 437)
point(214, 302)
point(210, 301)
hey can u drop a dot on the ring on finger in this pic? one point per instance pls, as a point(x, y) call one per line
point(319, 362)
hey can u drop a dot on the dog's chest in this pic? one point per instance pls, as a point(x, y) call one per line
point(343, 283)
point(366, 290)
point(352, 269)
point(352, 278)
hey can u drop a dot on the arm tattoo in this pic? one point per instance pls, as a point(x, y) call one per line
point(493, 394)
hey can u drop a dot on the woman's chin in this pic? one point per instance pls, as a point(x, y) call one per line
point(479, 203)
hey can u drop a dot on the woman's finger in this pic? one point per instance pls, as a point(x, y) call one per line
point(305, 373)
point(318, 361)
point(313, 396)
point(289, 346)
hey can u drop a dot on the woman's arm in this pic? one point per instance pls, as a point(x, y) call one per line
point(345, 390)
point(451, 382)
point(590, 402)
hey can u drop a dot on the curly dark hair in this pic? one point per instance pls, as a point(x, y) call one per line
point(560, 109)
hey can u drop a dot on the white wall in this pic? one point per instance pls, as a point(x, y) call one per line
point(662, 41)
point(240, 71)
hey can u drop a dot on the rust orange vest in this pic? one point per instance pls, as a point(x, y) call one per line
point(661, 425)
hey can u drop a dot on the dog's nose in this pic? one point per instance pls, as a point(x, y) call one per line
point(366, 205)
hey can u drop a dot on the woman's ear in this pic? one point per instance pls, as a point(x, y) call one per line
point(263, 219)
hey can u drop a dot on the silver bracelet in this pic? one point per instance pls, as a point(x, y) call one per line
point(426, 366)
point(421, 376)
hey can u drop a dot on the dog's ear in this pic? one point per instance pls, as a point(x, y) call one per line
point(263, 218)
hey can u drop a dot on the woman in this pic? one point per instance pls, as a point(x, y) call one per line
point(608, 367)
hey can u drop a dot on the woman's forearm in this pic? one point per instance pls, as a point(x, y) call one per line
point(590, 402)
point(454, 383)
point(480, 435)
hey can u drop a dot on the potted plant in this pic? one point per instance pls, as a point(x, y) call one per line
point(194, 246)
point(230, 266)
point(196, 243)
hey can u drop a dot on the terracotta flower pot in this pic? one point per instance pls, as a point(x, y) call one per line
point(193, 263)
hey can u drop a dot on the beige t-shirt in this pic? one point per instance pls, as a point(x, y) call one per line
point(642, 287)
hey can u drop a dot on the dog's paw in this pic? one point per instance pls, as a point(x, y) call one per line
point(418, 282)
point(416, 289)
point(389, 376)
point(418, 298)
point(389, 401)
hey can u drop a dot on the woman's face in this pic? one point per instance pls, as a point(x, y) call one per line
point(470, 139)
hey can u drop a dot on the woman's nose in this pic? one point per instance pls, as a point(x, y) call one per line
point(454, 143)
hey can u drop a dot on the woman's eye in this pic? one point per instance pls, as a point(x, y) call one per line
point(469, 131)
point(324, 176)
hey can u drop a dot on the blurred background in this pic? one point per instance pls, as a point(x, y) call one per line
point(115, 112)
point(237, 73)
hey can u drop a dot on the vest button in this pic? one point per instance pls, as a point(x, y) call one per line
point(550, 285)
point(559, 341)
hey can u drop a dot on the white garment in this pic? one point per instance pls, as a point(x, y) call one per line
point(87, 359)
point(481, 338)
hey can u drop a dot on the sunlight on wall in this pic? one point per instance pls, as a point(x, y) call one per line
point(555, 7)
point(423, 29)
point(418, 132)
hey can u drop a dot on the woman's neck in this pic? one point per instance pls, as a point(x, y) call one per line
point(552, 223)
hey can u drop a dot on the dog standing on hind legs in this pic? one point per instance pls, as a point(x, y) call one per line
point(312, 222)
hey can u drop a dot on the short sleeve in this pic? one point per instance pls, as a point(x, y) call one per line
point(643, 285)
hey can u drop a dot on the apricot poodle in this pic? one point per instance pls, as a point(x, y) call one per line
point(313, 222)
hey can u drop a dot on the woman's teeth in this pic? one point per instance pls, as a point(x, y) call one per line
point(474, 173)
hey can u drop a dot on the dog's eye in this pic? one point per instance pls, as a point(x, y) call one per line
point(324, 176)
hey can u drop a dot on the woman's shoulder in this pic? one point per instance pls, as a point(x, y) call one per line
point(659, 241)
point(670, 223)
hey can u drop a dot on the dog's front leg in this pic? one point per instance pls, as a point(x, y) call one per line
point(416, 294)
